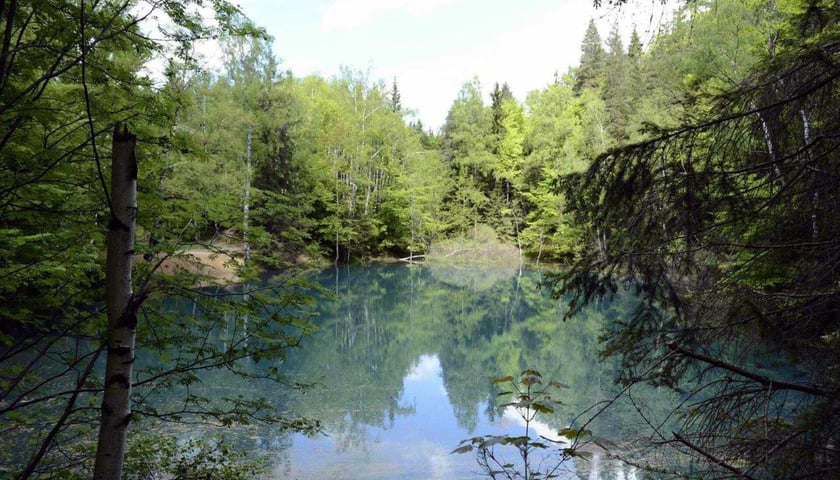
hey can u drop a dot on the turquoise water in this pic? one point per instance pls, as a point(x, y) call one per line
point(401, 367)
point(403, 362)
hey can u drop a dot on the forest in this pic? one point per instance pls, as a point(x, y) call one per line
point(700, 171)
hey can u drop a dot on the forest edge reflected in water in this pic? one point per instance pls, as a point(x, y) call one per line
point(403, 361)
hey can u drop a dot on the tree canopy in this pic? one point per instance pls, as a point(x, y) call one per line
point(699, 170)
point(725, 224)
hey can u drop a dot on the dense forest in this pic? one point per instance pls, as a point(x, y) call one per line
point(699, 170)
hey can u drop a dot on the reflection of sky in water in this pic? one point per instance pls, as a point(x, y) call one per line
point(415, 447)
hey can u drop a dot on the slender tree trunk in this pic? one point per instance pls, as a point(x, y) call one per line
point(815, 195)
point(368, 190)
point(122, 308)
point(246, 208)
point(246, 246)
point(337, 208)
point(771, 150)
point(6, 54)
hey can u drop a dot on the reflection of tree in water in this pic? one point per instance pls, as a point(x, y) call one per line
point(480, 324)
point(196, 398)
point(365, 346)
point(349, 435)
point(473, 278)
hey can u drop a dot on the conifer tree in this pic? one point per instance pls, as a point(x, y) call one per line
point(726, 224)
point(617, 91)
point(634, 49)
point(395, 97)
point(591, 70)
point(498, 97)
point(466, 147)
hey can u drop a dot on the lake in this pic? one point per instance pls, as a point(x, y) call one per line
point(402, 364)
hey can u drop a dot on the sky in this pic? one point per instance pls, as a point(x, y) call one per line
point(432, 47)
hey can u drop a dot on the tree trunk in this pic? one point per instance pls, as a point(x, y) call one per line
point(122, 308)
point(246, 246)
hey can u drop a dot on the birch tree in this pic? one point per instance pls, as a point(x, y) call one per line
point(122, 308)
point(69, 74)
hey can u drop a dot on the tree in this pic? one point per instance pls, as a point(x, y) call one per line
point(498, 97)
point(122, 307)
point(553, 148)
point(509, 170)
point(591, 70)
point(726, 226)
point(618, 92)
point(395, 97)
point(68, 75)
point(466, 148)
point(635, 49)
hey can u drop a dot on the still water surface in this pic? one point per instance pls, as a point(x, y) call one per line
point(403, 361)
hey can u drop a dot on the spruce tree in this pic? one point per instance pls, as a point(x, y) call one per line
point(617, 92)
point(498, 97)
point(726, 225)
point(591, 70)
point(395, 97)
point(634, 50)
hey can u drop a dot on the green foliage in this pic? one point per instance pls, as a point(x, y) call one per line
point(720, 220)
point(530, 397)
point(467, 149)
point(210, 458)
point(701, 166)
point(68, 74)
point(591, 70)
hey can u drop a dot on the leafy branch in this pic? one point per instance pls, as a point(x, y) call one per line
point(528, 397)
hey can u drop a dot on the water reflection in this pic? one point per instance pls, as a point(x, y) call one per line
point(415, 444)
point(404, 360)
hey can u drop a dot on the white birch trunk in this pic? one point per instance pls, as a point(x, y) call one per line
point(122, 310)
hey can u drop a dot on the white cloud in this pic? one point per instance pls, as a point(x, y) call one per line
point(541, 429)
point(525, 57)
point(440, 462)
point(427, 367)
point(349, 14)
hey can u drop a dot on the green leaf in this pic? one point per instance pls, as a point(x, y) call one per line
point(531, 377)
point(574, 433)
point(518, 441)
point(574, 453)
point(502, 380)
point(462, 449)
